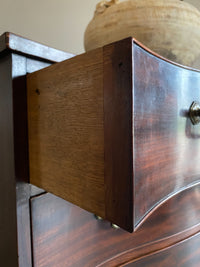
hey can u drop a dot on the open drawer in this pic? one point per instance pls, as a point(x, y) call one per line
point(110, 131)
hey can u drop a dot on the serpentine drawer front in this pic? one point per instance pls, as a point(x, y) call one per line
point(115, 131)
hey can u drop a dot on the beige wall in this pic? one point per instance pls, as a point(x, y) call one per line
point(57, 23)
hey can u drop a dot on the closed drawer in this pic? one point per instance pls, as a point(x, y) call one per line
point(183, 254)
point(65, 235)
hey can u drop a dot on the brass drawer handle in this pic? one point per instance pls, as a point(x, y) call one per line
point(194, 113)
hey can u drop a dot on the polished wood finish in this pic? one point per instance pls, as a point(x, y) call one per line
point(21, 159)
point(177, 255)
point(118, 106)
point(20, 66)
point(39, 229)
point(8, 222)
point(20, 118)
point(24, 46)
point(112, 126)
point(166, 144)
point(17, 57)
point(65, 235)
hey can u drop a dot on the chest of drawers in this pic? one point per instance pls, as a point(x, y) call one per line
point(111, 132)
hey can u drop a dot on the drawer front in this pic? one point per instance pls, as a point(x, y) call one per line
point(184, 254)
point(166, 144)
point(65, 235)
point(109, 131)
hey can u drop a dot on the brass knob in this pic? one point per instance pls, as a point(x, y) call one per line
point(114, 226)
point(194, 113)
point(98, 218)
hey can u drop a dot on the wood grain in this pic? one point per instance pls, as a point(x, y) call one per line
point(20, 66)
point(66, 136)
point(17, 57)
point(186, 253)
point(166, 144)
point(110, 131)
point(118, 124)
point(65, 235)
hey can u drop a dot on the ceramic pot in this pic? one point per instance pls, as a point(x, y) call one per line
point(170, 28)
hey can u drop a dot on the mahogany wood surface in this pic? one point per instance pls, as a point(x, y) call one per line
point(187, 253)
point(49, 231)
point(21, 159)
point(112, 125)
point(65, 235)
point(8, 221)
point(17, 57)
point(166, 143)
point(118, 107)
point(20, 66)
point(17, 44)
